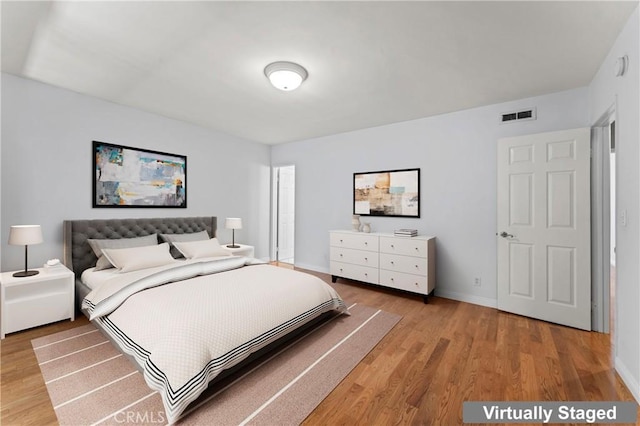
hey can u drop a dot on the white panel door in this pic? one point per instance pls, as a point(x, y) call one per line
point(286, 213)
point(544, 248)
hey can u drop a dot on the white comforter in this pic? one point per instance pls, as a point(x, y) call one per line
point(186, 324)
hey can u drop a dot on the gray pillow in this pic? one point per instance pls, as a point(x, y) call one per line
point(118, 243)
point(171, 238)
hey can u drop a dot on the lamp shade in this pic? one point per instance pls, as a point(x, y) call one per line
point(233, 223)
point(25, 235)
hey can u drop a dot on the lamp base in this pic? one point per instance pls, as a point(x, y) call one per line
point(233, 246)
point(25, 273)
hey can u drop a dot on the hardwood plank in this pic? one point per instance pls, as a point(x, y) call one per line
point(25, 400)
point(438, 356)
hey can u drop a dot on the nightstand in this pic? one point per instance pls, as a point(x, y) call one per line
point(36, 300)
point(243, 250)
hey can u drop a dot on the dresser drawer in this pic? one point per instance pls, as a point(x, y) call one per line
point(403, 246)
point(354, 241)
point(407, 264)
point(354, 272)
point(357, 257)
point(403, 281)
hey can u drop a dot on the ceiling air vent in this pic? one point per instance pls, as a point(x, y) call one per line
point(510, 117)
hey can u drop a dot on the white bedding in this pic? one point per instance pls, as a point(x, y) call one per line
point(186, 324)
point(93, 278)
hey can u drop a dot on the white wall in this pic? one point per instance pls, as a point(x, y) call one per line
point(46, 170)
point(623, 92)
point(457, 156)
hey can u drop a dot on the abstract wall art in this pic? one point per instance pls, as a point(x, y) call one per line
point(394, 193)
point(134, 177)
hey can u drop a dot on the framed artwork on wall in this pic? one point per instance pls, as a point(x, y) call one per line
point(392, 193)
point(135, 177)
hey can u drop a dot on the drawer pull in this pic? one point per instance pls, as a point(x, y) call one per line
point(392, 262)
point(417, 267)
point(341, 240)
point(417, 285)
point(392, 246)
point(341, 255)
point(366, 274)
point(366, 259)
point(417, 249)
point(392, 279)
point(366, 243)
point(340, 269)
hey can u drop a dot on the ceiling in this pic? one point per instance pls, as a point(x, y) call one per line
point(369, 63)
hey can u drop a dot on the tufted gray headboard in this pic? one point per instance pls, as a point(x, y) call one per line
point(78, 255)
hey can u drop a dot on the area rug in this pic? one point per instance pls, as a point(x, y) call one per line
point(91, 383)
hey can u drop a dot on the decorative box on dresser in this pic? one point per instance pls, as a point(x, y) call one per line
point(403, 263)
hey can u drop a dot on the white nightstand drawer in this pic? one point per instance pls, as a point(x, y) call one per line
point(35, 311)
point(407, 247)
point(402, 281)
point(357, 257)
point(407, 264)
point(241, 250)
point(36, 300)
point(355, 272)
point(354, 240)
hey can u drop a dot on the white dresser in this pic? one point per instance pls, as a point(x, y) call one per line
point(403, 263)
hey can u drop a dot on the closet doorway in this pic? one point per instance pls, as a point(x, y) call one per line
point(284, 184)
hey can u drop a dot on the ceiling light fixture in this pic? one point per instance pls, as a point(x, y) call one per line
point(285, 76)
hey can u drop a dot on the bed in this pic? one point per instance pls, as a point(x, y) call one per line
point(186, 321)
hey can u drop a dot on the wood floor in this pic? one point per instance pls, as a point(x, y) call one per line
point(439, 355)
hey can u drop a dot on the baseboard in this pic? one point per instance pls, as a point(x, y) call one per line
point(628, 379)
point(312, 268)
point(476, 300)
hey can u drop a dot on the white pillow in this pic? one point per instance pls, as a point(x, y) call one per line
point(172, 238)
point(118, 243)
point(135, 258)
point(198, 249)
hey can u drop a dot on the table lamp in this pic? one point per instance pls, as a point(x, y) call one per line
point(233, 223)
point(25, 235)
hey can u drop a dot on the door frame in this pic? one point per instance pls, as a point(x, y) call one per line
point(601, 222)
point(275, 211)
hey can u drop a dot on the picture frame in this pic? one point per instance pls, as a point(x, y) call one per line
point(388, 193)
point(126, 177)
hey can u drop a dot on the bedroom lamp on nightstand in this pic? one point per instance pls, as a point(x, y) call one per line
point(233, 223)
point(25, 235)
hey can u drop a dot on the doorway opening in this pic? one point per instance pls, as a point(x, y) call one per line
point(604, 216)
point(612, 222)
point(283, 237)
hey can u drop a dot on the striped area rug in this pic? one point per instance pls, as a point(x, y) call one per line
point(91, 383)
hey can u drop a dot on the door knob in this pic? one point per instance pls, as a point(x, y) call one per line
point(505, 235)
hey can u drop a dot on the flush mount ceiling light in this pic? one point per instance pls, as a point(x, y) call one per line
point(285, 76)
